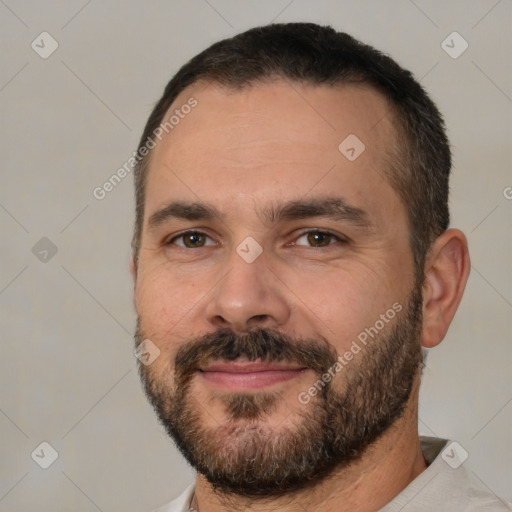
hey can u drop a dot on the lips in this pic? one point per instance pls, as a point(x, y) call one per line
point(244, 375)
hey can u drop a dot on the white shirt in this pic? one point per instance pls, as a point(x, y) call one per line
point(445, 486)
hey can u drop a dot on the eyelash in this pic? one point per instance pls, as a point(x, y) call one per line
point(304, 233)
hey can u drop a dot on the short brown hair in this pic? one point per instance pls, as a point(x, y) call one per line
point(312, 54)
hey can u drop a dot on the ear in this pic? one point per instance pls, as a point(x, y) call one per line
point(446, 273)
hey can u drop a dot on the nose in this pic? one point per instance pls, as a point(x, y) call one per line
point(249, 296)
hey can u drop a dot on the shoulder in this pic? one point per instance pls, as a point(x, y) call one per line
point(445, 484)
point(180, 504)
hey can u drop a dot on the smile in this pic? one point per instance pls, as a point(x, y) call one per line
point(235, 375)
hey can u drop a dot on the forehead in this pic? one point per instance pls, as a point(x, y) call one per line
point(274, 140)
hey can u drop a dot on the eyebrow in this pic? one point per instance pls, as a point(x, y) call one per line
point(335, 208)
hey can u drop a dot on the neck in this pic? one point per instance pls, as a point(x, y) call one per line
point(385, 469)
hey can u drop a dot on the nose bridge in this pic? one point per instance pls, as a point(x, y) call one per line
point(249, 295)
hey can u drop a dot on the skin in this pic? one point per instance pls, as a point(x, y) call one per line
point(268, 144)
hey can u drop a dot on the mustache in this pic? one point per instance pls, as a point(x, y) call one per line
point(264, 344)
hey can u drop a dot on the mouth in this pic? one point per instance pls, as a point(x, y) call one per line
point(249, 375)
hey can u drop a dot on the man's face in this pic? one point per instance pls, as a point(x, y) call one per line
point(308, 252)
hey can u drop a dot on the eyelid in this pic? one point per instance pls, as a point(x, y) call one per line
point(338, 237)
point(177, 236)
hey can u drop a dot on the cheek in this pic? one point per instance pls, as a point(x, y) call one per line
point(163, 303)
point(342, 303)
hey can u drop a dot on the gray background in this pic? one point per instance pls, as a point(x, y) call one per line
point(68, 375)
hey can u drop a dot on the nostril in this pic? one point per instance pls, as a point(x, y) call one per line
point(259, 317)
point(220, 320)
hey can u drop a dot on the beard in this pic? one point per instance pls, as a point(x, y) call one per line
point(242, 455)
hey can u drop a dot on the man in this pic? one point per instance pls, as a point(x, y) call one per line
point(292, 259)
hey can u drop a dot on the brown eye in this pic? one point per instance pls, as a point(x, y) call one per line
point(191, 240)
point(319, 238)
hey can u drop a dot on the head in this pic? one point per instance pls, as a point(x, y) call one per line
point(292, 215)
point(301, 53)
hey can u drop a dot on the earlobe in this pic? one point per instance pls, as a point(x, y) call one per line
point(446, 273)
